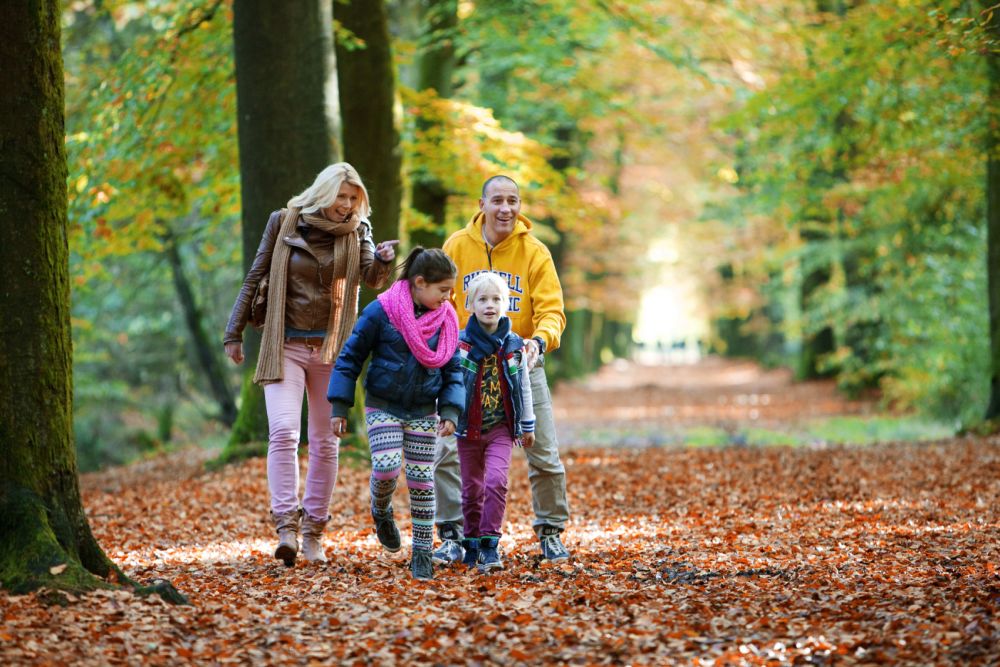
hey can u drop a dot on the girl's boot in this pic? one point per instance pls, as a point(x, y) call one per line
point(421, 565)
point(287, 525)
point(471, 547)
point(489, 554)
point(312, 539)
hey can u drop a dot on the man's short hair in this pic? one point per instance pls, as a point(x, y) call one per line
point(498, 177)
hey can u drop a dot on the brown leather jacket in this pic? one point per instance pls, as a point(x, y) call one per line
point(310, 276)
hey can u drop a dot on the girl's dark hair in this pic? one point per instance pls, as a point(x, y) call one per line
point(431, 264)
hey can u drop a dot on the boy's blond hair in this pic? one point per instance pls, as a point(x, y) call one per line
point(489, 279)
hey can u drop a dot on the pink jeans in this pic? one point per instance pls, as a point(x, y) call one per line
point(303, 372)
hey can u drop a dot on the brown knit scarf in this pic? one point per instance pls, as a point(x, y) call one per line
point(343, 295)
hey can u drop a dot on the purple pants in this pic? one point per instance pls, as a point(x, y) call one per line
point(485, 465)
point(305, 373)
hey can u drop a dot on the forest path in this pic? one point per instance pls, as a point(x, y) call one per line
point(714, 555)
point(628, 403)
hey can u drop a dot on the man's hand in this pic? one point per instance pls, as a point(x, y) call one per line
point(339, 426)
point(385, 251)
point(528, 440)
point(530, 353)
point(235, 352)
point(445, 428)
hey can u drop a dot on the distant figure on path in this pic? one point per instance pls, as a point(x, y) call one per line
point(314, 254)
point(498, 412)
point(498, 240)
point(411, 334)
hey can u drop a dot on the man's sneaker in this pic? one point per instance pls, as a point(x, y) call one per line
point(552, 546)
point(421, 564)
point(450, 550)
point(386, 531)
point(471, 547)
point(489, 556)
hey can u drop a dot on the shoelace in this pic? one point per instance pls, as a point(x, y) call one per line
point(449, 545)
point(555, 545)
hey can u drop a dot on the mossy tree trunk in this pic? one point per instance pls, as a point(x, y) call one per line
point(435, 71)
point(993, 203)
point(283, 58)
point(45, 538)
point(367, 84)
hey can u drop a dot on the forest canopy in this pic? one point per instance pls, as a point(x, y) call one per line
point(812, 176)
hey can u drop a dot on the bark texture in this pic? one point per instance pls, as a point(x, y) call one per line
point(435, 71)
point(367, 100)
point(45, 538)
point(993, 202)
point(283, 52)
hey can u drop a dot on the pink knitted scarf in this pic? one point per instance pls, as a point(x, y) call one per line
point(397, 302)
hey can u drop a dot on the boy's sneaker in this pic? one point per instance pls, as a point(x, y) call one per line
point(421, 564)
point(489, 556)
point(450, 550)
point(552, 546)
point(471, 547)
point(386, 531)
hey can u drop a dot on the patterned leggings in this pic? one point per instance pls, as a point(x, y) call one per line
point(391, 439)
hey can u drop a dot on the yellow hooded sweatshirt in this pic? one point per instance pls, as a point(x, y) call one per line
point(536, 300)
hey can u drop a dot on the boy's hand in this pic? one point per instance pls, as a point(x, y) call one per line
point(528, 440)
point(339, 426)
point(446, 427)
point(531, 352)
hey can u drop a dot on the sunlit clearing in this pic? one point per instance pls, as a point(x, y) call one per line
point(671, 321)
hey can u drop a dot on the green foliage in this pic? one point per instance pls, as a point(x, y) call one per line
point(151, 145)
point(867, 153)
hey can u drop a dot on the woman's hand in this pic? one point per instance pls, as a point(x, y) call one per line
point(235, 352)
point(339, 426)
point(385, 251)
point(528, 440)
point(446, 427)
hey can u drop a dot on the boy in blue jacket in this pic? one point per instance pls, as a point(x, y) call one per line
point(498, 412)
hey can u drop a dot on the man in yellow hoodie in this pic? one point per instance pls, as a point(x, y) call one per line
point(498, 239)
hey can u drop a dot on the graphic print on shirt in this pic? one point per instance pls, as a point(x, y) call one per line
point(513, 282)
point(493, 408)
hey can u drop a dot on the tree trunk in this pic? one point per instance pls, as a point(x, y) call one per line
point(367, 100)
point(435, 69)
point(993, 205)
point(208, 353)
point(45, 538)
point(283, 53)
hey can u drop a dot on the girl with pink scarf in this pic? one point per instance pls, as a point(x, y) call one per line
point(414, 392)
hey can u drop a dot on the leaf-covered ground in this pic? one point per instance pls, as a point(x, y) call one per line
point(824, 555)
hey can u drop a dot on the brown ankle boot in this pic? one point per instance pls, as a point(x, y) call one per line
point(312, 535)
point(287, 525)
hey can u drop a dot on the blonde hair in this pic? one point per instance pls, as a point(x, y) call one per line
point(323, 192)
point(488, 279)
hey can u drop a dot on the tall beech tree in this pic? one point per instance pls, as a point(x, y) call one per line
point(435, 71)
point(367, 82)
point(283, 53)
point(45, 538)
point(991, 14)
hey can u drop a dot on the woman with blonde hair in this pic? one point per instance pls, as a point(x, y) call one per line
point(314, 254)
